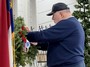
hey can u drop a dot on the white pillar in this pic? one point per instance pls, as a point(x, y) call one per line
point(33, 16)
point(15, 8)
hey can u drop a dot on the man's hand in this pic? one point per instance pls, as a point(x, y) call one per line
point(27, 29)
point(34, 43)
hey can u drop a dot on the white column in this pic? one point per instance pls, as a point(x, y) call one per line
point(33, 17)
point(15, 8)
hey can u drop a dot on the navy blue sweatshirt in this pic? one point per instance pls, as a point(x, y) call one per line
point(65, 42)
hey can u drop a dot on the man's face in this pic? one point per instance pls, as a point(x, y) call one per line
point(56, 17)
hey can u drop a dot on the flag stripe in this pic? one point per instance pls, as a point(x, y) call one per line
point(10, 47)
point(12, 24)
point(8, 12)
point(12, 30)
point(4, 50)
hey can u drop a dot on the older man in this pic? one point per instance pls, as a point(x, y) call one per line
point(64, 41)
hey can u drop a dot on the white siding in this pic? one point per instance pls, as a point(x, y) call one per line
point(27, 10)
point(34, 11)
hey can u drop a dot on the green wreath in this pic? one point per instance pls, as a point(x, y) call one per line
point(22, 57)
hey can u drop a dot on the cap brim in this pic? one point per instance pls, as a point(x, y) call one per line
point(49, 14)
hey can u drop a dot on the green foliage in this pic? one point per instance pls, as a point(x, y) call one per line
point(83, 14)
point(21, 56)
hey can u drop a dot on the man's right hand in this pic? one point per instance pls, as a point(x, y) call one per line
point(34, 43)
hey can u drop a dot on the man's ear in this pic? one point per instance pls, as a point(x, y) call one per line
point(61, 14)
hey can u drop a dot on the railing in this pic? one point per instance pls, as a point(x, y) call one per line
point(41, 59)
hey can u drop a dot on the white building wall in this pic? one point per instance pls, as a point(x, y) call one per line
point(22, 9)
point(34, 11)
point(27, 10)
point(44, 7)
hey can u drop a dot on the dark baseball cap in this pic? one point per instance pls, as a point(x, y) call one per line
point(58, 7)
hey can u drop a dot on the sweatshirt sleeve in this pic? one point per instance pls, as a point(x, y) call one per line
point(57, 32)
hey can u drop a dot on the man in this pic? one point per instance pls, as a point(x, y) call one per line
point(64, 41)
